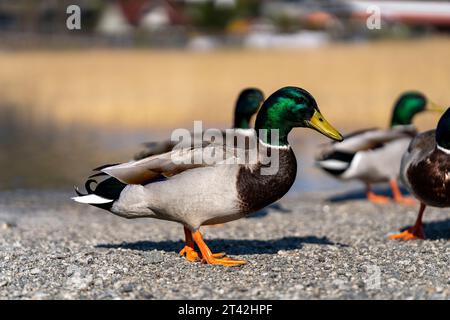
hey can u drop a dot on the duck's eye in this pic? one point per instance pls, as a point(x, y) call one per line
point(301, 100)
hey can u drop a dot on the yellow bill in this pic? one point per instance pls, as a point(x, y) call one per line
point(318, 123)
point(431, 106)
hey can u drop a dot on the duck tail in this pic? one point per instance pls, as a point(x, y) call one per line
point(334, 162)
point(104, 194)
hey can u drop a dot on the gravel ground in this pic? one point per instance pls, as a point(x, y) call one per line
point(305, 248)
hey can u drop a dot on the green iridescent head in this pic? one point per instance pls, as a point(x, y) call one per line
point(406, 107)
point(291, 107)
point(443, 130)
point(247, 105)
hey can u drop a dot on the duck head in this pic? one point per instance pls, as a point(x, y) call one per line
point(443, 131)
point(408, 105)
point(292, 107)
point(247, 105)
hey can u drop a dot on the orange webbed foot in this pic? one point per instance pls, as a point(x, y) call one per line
point(190, 254)
point(375, 198)
point(416, 231)
point(214, 258)
point(226, 261)
point(193, 256)
point(413, 233)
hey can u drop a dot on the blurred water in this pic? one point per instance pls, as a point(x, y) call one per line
point(48, 156)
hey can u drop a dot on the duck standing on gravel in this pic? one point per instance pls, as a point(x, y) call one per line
point(425, 171)
point(374, 155)
point(211, 193)
point(247, 104)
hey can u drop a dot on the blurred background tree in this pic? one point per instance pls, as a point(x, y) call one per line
point(211, 17)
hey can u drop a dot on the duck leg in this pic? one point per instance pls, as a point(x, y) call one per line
point(373, 197)
point(189, 249)
point(398, 197)
point(416, 231)
point(211, 258)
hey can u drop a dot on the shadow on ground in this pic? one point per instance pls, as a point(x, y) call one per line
point(229, 245)
point(360, 194)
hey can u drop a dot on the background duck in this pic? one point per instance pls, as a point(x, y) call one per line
point(425, 171)
point(163, 187)
point(374, 155)
point(247, 104)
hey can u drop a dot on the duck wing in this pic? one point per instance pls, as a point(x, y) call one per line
point(181, 158)
point(170, 163)
point(371, 139)
point(419, 148)
point(336, 157)
point(158, 147)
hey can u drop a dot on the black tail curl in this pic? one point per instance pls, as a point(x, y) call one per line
point(110, 188)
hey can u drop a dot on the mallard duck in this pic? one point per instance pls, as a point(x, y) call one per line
point(169, 186)
point(247, 104)
point(374, 155)
point(425, 171)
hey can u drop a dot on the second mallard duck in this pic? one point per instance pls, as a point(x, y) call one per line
point(247, 104)
point(425, 171)
point(374, 155)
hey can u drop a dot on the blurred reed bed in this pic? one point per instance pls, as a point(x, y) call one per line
point(64, 112)
point(355, 85)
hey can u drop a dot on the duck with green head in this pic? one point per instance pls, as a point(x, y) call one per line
point(247, 104)
point(425, 171)
point(211, 192)
point(374, 155)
